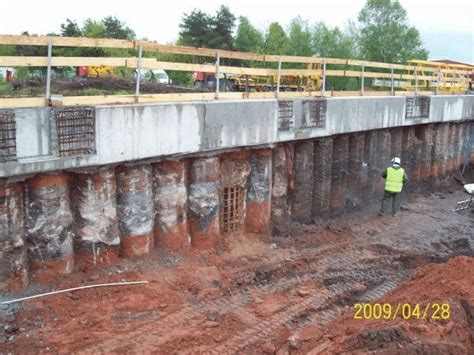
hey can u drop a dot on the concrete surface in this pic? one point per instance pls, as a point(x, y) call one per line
point(154, 131)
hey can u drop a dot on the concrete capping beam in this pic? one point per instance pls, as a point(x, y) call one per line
point(127, 133)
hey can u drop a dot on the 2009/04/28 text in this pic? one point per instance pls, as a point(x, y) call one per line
point(406, 311)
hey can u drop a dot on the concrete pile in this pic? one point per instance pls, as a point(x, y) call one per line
point(83, 218)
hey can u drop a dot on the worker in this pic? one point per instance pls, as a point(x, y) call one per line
point(395, 177)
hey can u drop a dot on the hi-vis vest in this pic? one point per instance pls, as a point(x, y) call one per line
point(394, 181)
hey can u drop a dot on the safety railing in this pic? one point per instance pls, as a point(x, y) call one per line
point(416, 77)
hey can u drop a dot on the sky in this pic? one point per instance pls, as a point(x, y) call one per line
point(446, 27)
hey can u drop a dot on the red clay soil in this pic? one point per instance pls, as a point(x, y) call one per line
point(268, 296)
point(451, 283)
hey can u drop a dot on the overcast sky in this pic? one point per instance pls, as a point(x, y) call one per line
point(447, 27)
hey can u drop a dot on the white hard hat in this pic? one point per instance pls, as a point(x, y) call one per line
point(396, 160)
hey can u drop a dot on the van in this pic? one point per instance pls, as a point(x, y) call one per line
point(155, 76)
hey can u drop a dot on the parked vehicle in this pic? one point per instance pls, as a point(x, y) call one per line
point(155, 76)
point(231, 82)
point(102, 71)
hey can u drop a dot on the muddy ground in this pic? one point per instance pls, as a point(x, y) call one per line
point(293, 293)
point(93, 86)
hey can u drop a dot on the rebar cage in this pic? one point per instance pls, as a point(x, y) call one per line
point(285, 115)
point(76, 130)
point(7, 135)
point(317, 113)
point(417, 107)
point(232, 208)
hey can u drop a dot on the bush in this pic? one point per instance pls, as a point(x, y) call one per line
point(93, 92)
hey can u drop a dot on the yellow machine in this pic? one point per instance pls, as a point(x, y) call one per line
point(310, 82)
point(287, 82)
point(260, 83)
point(313, 82)
point(447, 78)
point(102, 71)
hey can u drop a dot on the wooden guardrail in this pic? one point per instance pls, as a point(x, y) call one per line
point(451, 77)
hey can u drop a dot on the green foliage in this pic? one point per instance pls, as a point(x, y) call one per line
point(248, 38)
point(114, 28)
point(5, 89)
point(334, 43)
point(385, 34)
point(70, 29)
point(21, 73)
point(222, 26)
point(6, 50)
point(93, 29)
point(299, 41)
point(199, 29)
point(30, 50)
point(276, 40)
point(93, 92)
point(108, 27)
point(195, 29)
point(382, 34)
point(180, 78)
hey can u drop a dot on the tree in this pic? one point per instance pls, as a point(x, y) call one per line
point(108, 27)
point(199, 29)
point(299, 38)
point(114, 28)
point(30, 50)
point(195, 29)
point(276, 40)
point(385, 34)
point(334, 43)
point(222, 26)
point(70, 29)
point(247, 37)
point(93, 29)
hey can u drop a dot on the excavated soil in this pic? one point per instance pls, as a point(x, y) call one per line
point(450, 283)
point(291, 293)
point(95, 86)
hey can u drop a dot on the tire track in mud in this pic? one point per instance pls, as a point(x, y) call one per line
point(356, 264)
point(313, 308)
point(383, 282)
point(150, 331)
point(225, 304)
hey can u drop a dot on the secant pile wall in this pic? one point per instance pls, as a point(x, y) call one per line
point(52, 223)
point(327, 176)
point(55, 222)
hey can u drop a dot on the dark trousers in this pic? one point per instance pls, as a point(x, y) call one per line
point(390, 196)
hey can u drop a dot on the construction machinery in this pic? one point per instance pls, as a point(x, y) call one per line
point(440, 77)
point(102, 71)
point(231, 82)
point(446, 78)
